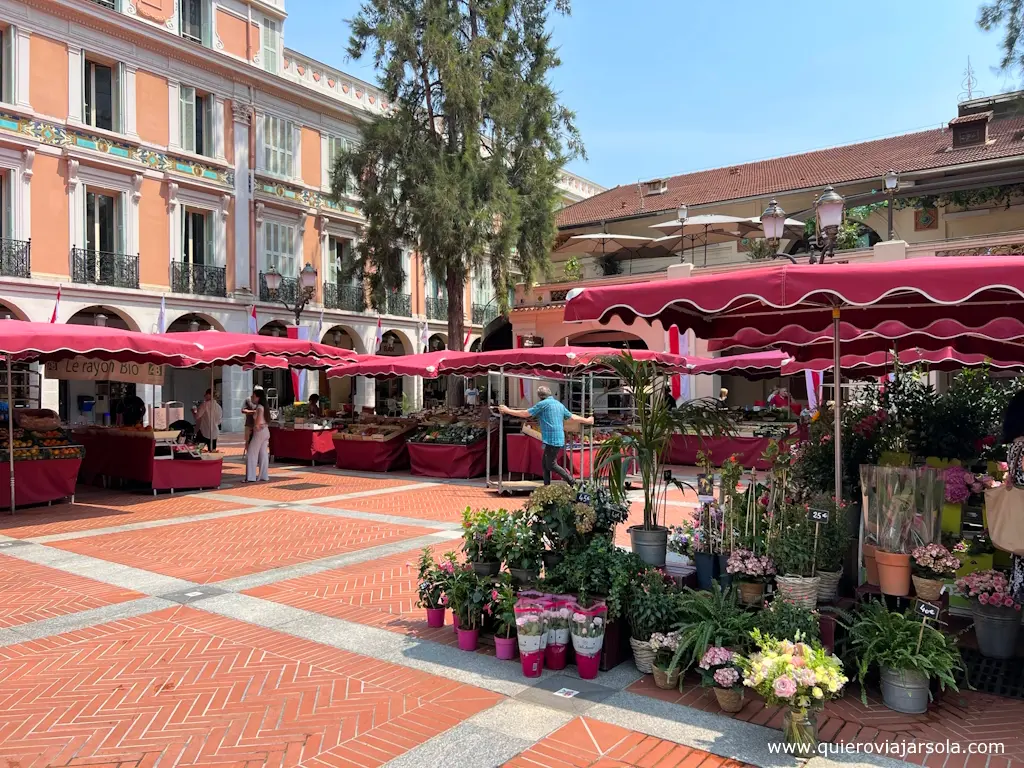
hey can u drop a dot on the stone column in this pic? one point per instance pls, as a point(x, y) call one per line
point(366, 393)
point(235, 386)
point(242, 116)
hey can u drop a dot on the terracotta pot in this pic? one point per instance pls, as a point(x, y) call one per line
point(751, 592)
point(729, 700)
point(870, 564)
point(893, 573)
point(927, 589)
point(665, 679)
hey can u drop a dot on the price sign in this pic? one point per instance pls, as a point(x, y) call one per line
point(705, 488)
point(668, 475)
point(583, 497)
point(817, 515)
point(927, 610)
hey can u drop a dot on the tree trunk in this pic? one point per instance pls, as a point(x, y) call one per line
point(455, 284)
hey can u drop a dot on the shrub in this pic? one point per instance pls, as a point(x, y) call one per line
point(707, 619)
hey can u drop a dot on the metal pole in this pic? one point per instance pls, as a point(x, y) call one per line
point(10, 429)
point(592, 413)
point(837, 411)
point(501, 429)
point(487, 402)
point(891, 233)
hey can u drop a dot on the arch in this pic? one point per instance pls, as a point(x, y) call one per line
point(9, 308)
point(395, 342)
point(274, 328)
point(344, 337)
point(476, 345)
point(115, 318)
point(437, 342)
point(183, 321)
point(604, 338)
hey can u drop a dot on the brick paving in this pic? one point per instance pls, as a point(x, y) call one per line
point(214, 550)
point(443, 502)
point(284, 486)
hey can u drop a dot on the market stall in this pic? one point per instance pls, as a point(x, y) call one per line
point(47, 460)
point(452, 445)
point(302, 442)
point(373, 444)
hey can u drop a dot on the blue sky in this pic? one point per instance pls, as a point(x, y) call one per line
point(669, 86)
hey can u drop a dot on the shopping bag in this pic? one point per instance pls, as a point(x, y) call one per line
point(1004, 508)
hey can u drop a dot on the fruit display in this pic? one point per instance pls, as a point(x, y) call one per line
point(34, 446)
point(373, 431)
point(451, 434)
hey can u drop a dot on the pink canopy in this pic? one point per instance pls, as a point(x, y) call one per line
point(220, 348)
point(43, 342)
point(880, 363)
point(386, 366)
point(747, 363)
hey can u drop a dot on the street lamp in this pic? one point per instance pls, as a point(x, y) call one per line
point(892, 183)
point(828, 211)
point(773, 221)
point(684, 214)
point(307, 287)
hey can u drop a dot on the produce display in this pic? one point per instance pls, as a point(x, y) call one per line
point(451, 434)
point(33, 446)
point(373, 431)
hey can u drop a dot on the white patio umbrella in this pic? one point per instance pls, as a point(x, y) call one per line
point(602, 243)
point(792, 228)
point(701, 227)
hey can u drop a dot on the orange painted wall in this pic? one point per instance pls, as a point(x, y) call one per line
point(229, 132)
point(50, 245)
point(154, 234)
point(311, 170)
point(158, 11)
point(48, 77)
point(417, 283)
point(231, 32)
point(152, 111)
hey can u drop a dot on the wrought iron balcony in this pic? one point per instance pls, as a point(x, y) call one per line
point(347, 297)
point(119, 270)
point(437, 309)
point(198, 279)
point(15, 258)
point(288, 292)
point(399, 304)
point(111, 4)
point(484, 313)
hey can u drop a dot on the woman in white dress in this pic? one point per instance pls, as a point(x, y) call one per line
point(257, 457)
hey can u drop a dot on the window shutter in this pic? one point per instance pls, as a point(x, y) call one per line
point(208, 147)
point(117, 99)
point(261, 143)
point(7, 191)
point(187, 114)
point(86, 91)
point(120, 216)
point(9, 63)
point(206, 13)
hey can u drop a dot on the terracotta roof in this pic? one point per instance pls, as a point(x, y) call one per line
point(838, 165)
point(974, 118)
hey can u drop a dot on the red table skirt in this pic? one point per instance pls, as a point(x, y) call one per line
point(372, 455)
point(37, 482)
point(525, 455)
point(314, 445)
point(747, 450)
point(186, 474)
point(462, 461)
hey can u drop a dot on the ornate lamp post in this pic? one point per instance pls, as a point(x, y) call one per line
point(828, 211)
point(892, 183)
point(684, 213)
point(307, 287)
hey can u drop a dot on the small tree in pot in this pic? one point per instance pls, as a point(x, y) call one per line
point(647, 441)
point(996, 612)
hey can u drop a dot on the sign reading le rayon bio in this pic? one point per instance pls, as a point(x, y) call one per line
point(87, 369)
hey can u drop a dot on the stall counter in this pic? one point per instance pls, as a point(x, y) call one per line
point(39, 482)
point(299, 444)
point(131, 455)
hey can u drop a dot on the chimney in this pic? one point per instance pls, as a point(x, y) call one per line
point(970, 130)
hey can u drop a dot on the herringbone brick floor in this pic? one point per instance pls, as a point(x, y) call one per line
point(214, 550)
point(443, 502)
point(329, 484)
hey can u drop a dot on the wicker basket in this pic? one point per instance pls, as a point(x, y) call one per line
point(828, 585)
point(729, 699)
point(643, 655)
point(802, 590)
point(664, 679)
point(927, 589)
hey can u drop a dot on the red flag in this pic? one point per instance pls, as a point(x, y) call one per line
point(56, 306)
point(672, 346)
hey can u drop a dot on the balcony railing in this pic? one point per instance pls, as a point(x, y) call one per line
point(198, 279)
point(399, 304)
point(119, 270)
point(347, 297)
point(111, 4)
point(288, 291)
point(437, 309)
point(484, 313)
point(15, 258)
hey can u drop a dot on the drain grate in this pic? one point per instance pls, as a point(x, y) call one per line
point(1001, 677)
point(301, 486)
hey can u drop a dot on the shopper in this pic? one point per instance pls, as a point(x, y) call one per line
point(208, 417)
point(248, 409)
point(257, 458)
point(551, 415)
point(1013, 437)
point(315, 411)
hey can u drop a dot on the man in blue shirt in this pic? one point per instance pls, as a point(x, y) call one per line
point(551, 415)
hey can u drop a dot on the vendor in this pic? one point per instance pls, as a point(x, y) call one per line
point(551, 415)
point(208, 417)
point(133, 411)
point(723, 398)
point(1013, 440)
point(315, 411)
point(472, 394)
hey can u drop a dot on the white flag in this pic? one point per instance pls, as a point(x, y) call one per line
point(161, 320)
point(425, 336)
point(380, 336)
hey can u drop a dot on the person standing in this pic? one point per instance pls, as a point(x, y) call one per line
point(472, 394)
point(551, 415)
point(208, 417)
point(315, 411)
point(248, 410)
point(257, 458)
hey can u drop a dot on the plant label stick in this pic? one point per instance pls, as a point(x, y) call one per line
point(926, 611)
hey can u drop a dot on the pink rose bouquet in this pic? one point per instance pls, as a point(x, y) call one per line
point(989, 588)
point(792, 673)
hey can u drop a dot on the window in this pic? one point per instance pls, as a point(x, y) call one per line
point(7, 61)
point(279, 248)
point(104, 231)
point(196, 238)
point(271, 44)
point(435, 288)
point(278, 146)
point(341, 267)
point(196, 116)
point(102, 104)
point(483, 290)
point(193, 21)
point(335, 146)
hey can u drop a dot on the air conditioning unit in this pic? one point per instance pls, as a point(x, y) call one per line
point(655, 187)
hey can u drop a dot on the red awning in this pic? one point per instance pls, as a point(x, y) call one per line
point(746, 363)
point(220, 348)
point(387, 366)
point(880, 363)
point(562, 360)
point(43, 342)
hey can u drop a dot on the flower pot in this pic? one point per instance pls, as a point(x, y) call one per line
point(705, 569)
point(927, 589)
point(551, 559)
point(800, 731)
point(505, 647)
point(651, 545)
point(523, 576)
point(729, 699)
point(468, 639)
point(870, 564)
point(904, 690)
point(893, 573)
point(751, 592)
point(996, 630)
point(556, 656)
point(665, 679)
point(455, 622)
point(827, 630)
point(587, 666)
point(723, 575)
point(643, 656)
point(533, 663)
point(802, 590)
point(487, 567)
point(828, 585)
point(435, 617)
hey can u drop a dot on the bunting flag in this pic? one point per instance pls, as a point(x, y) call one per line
point(56, 307)
point(813, 380)
point(465, 342)
point(253, 327)
point(380, 337)
point(672, 346)
point(161, 320)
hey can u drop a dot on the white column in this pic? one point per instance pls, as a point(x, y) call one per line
point(235, 386)
point(412, 386)
point(242, 116)
point(49, 394)
point(366, 393)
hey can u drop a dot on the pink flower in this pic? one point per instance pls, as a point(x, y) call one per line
point(983, 598)
point(784, 687)
point(494, 594)
point(444, 600)
point(1008, 601)
point(490, 531)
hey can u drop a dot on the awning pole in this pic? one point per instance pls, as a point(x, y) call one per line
point(501, 429)
point(837, 411)
point(487, 402)
point(10, 428)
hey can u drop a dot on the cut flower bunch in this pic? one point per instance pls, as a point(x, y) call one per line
point(988, 588)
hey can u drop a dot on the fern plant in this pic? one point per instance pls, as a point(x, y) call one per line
point(707, 619)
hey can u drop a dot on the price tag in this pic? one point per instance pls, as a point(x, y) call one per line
point(668, 475)
point(817, 515)
point(705, 489)
point(583, 497)
point(927, 610)
point(566, 693)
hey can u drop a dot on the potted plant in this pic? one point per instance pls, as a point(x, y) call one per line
point(705, 541)
point(720, 670)
point(480, 536)
point(786, 620)
point(521, 549)
point(431, 586)
point(707, 619)
point(608, 511)
point(729, 477)
point(503, 611)
point(833, 543)
point(798, 677)
point(552, 515)
point(531, 634)
point(792, 549)
point(664, 646)
point(930, 566)
point(892, 557)
point(588, 625)
point(908, 652)
point(556, 650)
point(646, 444)
point(996, 613)
point(678, 558)
point(652, 608)
point(751, 572)
point(467, 596)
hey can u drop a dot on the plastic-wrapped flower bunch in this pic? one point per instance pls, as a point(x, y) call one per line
point(750, 567)
point(989, 588)
point(795, 674)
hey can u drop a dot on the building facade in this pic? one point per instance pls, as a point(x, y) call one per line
point(175, 150)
